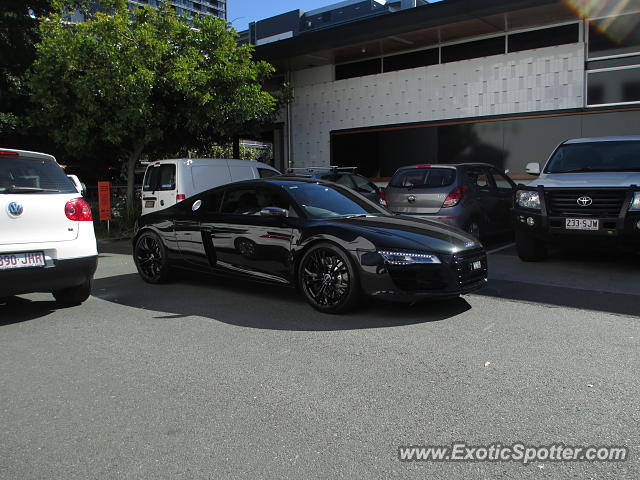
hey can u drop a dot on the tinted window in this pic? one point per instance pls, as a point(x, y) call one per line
point(160, 178)
point(477, 49)
point(501, 181)
point(598, 157)
point(364, 185)
point(325, 200)
point(615, 86)
point(250, 200)
point(614, 35)
point(546, 37)
point(479, 179)
point(211, 201)
point(266, 173)
point(411, 60)
point(423, 178)
point(358, 69)
point(339, 179)
point(31, 175)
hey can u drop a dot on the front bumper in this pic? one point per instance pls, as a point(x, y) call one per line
point(407, 283)
point(59, 275)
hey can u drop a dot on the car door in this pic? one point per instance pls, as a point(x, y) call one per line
point(505, 188)
point(247, 242)
point(483, 192)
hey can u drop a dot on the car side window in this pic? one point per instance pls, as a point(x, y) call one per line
point(250, 200)
point(266, 173)
point(479, 179)
point(211, 201)
point(363, 185)
point(501, 180)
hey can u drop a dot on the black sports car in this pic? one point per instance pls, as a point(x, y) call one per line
point(327, 240)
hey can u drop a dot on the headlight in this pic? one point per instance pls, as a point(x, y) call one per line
point(408, 258)
point(635, 202)
point(528, 199)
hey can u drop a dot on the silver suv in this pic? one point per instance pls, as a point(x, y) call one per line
point(474, 197)
point(589, 191)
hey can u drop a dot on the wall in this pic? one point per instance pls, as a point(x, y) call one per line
point(535, 80)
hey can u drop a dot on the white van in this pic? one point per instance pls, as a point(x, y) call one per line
point(167, 182)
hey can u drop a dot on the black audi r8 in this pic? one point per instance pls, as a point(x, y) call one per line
point(330, 242)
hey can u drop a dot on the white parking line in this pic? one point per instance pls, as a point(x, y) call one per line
point(499, 249)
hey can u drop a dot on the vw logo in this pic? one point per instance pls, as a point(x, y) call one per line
point(585, 201)
point(411, 198)
point(15, 209)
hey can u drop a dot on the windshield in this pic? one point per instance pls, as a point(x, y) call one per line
point(596, 157)
point(423, 178)
point(325, 201)
point(33, 175)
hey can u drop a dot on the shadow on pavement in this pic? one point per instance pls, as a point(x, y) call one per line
point(16, 310)
point(264, 306)
point(115, 246)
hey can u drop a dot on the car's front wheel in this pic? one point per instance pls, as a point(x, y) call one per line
point(328, 279)
point(74, 296)
point(530, 249)
point(150, 257)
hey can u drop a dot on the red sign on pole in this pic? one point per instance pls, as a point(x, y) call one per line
point(104, 200)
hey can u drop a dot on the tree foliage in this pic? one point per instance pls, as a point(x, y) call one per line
point(144, 81)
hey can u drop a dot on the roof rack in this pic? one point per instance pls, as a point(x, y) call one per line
point(331, 168)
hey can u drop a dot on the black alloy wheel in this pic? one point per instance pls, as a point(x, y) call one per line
point(151, 258)
point(328, 279)
point(247, 248)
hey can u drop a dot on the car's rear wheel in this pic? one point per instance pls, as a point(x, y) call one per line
point(150, 257)
point(530, 249)
point(328, 279)
point(74, 296)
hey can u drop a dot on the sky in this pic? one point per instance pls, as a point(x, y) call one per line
point(241, 12)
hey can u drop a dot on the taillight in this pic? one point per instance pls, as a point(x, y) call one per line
point(455, 197)
point(78, 210)
point(383, 197)
point(3, 152)
point(180, 197)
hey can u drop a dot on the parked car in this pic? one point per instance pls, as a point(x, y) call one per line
point(47, 242)
point(347, 176)
point(588, 191)
point(327, 240)
point(167, 182)
point(474, 197)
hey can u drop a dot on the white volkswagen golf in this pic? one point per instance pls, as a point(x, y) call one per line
point(47, 241)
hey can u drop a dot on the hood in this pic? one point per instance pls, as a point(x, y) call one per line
point(587, 179)
point(410, 233)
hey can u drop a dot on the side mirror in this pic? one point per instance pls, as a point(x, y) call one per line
point(533, 168)
point(274, 212)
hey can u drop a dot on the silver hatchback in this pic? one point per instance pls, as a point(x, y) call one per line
point(474, 197)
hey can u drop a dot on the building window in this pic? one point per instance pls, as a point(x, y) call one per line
point(620, 85)
point(359, 69)
point(477, 49)
point(614, 36)
point(547, 37)
point(422, 58)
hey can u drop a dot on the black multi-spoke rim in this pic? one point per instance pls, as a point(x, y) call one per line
point(247, 248)
point(149, 256)
point(326, 277)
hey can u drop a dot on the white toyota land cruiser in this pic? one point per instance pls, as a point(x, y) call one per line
point(47, 242)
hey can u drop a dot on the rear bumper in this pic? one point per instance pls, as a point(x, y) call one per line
point(451, 220)
point(60, 275)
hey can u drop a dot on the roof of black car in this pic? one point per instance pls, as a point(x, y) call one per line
point(447, 165)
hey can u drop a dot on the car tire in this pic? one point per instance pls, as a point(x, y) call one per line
point(74, 296)
point(328, 279)
point(530, 249)
point(150, 257)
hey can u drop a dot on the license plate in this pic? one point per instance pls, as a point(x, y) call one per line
point(12, 261)
point(476, 266)
point(149, 203)
point(582, 224)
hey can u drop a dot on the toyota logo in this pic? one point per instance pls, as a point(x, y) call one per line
point(411, 198)
point(585, 201)
point(15, 209)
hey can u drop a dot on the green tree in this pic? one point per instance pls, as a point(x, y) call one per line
point(145, 81)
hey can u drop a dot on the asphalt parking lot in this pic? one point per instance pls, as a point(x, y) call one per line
point(211, 378)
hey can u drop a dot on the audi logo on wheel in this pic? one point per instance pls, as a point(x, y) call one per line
point(585, 201)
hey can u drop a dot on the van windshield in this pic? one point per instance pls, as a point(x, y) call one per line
point(596, 157)
point(423, 178)
point(33, 175)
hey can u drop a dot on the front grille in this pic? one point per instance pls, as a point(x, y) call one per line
point(413, 278)
point(605, 203)
point(464, 262)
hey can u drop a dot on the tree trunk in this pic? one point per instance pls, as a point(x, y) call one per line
point(236, 147)
point(132, 159)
